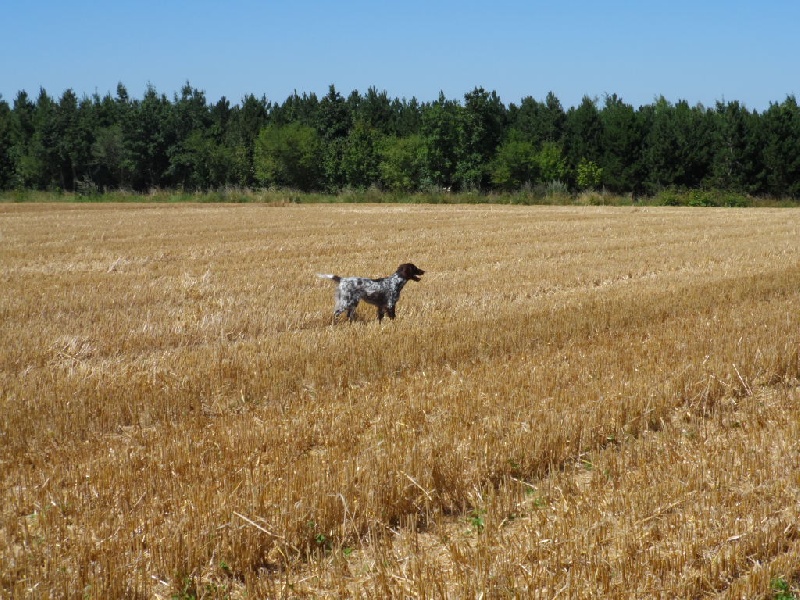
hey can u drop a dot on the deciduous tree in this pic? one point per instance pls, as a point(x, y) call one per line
point(401, 163)
point(289, 156)
point(482, 124)
point(360, 156)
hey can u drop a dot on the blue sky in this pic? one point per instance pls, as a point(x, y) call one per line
point(694, 50)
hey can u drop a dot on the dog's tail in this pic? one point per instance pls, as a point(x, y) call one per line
point(336, 278)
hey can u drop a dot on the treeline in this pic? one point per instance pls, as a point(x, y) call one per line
point(327, 144)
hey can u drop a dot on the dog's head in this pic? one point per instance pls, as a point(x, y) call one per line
point(410, 271)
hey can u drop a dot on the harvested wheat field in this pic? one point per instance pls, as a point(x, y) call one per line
point(574, 402)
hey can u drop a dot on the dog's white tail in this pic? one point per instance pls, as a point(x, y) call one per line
point(327, 276)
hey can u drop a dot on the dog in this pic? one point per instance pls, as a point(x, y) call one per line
point(382, 293)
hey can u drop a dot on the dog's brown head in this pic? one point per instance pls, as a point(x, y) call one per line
point(410, 271)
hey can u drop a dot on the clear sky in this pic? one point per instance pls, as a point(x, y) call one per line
point(701, 51)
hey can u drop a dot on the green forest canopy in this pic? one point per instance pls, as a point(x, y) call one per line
point(370, 140)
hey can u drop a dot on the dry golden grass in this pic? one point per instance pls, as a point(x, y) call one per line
point(574, 402)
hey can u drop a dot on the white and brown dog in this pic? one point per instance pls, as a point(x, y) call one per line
point(383, 293)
